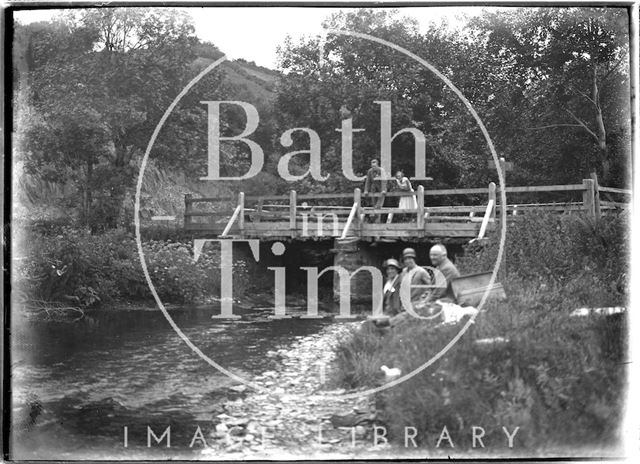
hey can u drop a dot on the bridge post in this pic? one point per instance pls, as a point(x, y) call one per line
point(588, 197)
point(188, 207)
point(502, 273)
point(492, 196)
point(292, 213)
point(258, 215)
point(596, 196)
point(241, 213)
point(357, 199)
point(351, 254)
point(420, 221)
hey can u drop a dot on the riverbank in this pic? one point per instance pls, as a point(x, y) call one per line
point(532, 361)
point(60, 265)
point(61, 271)
point(298, 413)
point(525, 362)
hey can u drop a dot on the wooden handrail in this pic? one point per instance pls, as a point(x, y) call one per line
point(209, 199)
point(614, 190)
point(436, 192)
point(373, 210)
point(433, 210)
point(207, 214)
point(619, 204)
point(307, 208)
point(591, 204)
point(544, 188)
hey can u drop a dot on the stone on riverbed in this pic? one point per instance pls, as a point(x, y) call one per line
point(222, 429)
point(239, 421)
point(360, 431)
point(291, 418)
point(253, 428)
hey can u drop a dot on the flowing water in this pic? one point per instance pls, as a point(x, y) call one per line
point(76, 386)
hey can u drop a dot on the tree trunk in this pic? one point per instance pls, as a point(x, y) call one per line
point(602, 161)
point(121, 161)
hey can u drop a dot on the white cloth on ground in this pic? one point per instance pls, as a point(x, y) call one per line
point(453, 313)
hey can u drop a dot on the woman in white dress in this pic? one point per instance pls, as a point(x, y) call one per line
point(403, 184)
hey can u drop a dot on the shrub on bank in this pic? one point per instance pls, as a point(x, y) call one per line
point(74, 265)
point(561, 379)
point(561, 250)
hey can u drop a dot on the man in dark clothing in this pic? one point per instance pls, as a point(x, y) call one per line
point(375, 182)
point(440, 261)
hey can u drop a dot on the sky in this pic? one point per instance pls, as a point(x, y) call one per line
point(255, 33)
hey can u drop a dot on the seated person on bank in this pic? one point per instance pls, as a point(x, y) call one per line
point(419, 280)
point(441, 262)
point(391, 292)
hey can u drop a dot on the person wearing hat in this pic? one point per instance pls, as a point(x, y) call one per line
point(417, 274)
point(391, 291)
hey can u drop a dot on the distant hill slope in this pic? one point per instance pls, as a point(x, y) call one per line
point(259, 82)
point(39, 199)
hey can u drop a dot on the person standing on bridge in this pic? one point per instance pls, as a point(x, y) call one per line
point(375, 182)
point(403, 184)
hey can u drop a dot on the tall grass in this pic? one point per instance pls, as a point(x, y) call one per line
point(559, 378)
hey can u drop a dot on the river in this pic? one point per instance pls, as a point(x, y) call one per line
point(76, 386)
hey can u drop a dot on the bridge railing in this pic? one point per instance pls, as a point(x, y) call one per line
point(595, 201)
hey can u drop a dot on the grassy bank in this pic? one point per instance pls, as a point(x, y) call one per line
point(561, 379)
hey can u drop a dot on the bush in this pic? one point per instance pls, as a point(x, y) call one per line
point(94, 269)
point(175, 275)
point(556, 250)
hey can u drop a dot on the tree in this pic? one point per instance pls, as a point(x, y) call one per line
point(550, 84)
point(323, 76)
point(98, 81)
point(572, 67)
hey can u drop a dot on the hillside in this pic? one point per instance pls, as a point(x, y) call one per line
point(39, 199)
point(257, 81)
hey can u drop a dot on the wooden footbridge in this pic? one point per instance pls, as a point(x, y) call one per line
point(450, 215)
